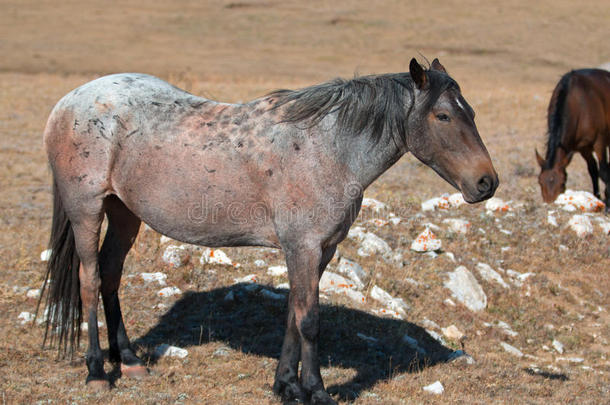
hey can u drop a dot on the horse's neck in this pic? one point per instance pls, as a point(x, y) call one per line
point(366, 157)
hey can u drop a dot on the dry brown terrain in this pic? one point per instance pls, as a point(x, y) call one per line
point(507, 57)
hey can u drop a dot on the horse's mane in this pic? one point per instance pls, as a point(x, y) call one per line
point(376, 102)
point(556, 118)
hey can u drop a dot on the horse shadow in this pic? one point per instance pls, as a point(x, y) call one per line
point(253, 322)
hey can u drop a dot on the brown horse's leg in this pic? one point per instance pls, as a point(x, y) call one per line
point(601, 151)
point(123, 228)
point(286, 377)
point(592, 166)
point(86, 235)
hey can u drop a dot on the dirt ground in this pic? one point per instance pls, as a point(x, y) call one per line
point(507, 57)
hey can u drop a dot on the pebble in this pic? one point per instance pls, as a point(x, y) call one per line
point(216, 256)
point(435, 388)
point(168, 291)
point(490, 274)
point(158, 277)
point(33, 293)
point(165, 350)
point(25, 317)
point(511, 349)
point(426, 242)
point(176, 256)
point(46, 255)
point(277, 270)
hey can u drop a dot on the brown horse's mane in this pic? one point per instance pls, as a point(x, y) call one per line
point(376, 103)
point(556, 117)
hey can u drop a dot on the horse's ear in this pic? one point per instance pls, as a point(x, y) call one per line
point(539, 159)
point(417, 74)
point(436, 65)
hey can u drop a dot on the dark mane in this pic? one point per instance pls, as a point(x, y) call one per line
point(375, 103)
point(556, 118)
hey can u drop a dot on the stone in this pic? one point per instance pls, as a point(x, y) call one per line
point(353, 271)
point(581, 225)
point(395, 304)
point(582, 201)
point(426, 242)
point(33, 293)
point(168, 292)
point(250, 278)
point(332, 281)
point(490, 274)
point(452, 332)
point(435, 388)
point(176, 256)
point(511, 349)
point(46, 255)
point(557, 345)
point(216, 256)
point(260, 263)
point(495, 204)
point(465, 288)
point(457, 225)
point(277, 271)
point(372, 244)
point(373, 204)
point(158, 277)
point(25, 317)
point(165, 350)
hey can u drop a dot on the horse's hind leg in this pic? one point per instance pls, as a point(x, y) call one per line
point(122, 230)
point(86, 225)
point(601, 151)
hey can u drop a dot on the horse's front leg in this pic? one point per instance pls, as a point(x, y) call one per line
point(593, 172)
point(304, 263)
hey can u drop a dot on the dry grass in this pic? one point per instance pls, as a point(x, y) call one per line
point(507, 59)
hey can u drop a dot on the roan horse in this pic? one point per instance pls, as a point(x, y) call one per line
point(578, 121)
point(286, 171)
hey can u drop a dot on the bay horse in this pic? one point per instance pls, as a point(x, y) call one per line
point(287, 171)
point(578, 121)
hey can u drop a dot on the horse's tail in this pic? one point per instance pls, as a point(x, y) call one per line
point(556, 116)
point(63, 310)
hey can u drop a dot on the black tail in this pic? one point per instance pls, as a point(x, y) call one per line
point(63, 311)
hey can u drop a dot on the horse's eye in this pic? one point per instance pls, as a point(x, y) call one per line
point(443, 117)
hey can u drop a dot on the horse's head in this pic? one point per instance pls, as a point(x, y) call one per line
point(552, 178)
point(446, 137)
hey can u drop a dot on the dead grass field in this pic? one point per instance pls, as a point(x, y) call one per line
point(507, 58)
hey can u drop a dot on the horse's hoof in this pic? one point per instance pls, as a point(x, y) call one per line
point(98, 385)
point(289, 392)
point(136, 372)
point(321, 397)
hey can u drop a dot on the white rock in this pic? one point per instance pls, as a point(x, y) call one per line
point(457, 225)
point(495, 204)
point(272, 295)
point(518, 278)
point(506, 329)
point(466, 289)
point(605, 226)
point(428, 324)
point(260, 263)
point(583, 201)
point(452, 332)
point(46, 255)
point(285, 286)
point(33, 293)
point(356, 232)
point(176, 256)
point(332, 281)
point(158, 277)
point(550, 218)
point(511, 349)
point(353, 271)
point(354, 295)
point(165, 239)
point(433, 203)
point(456, 199)
point(216, 256)
point(373, 204)
point(571, 359)
point(277, 270)
point(250, 278)
point(168, 291)
point(436, 336)
point(581, 225)
point(25, 317)
point(449, 302)
point(435, 388)
point(373, 244)
point(366, 338)
point(426, 242)
point(490, 274)
point(394, 219)
point(450, 256)
point(378, 222)
point(395, 304)
point(387, 312)
point(557, 345)
point(165, 350)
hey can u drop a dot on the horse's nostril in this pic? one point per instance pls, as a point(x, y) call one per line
point(485, 183)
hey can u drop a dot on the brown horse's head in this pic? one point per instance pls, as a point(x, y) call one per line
point(553, 177)
point(447, 139)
